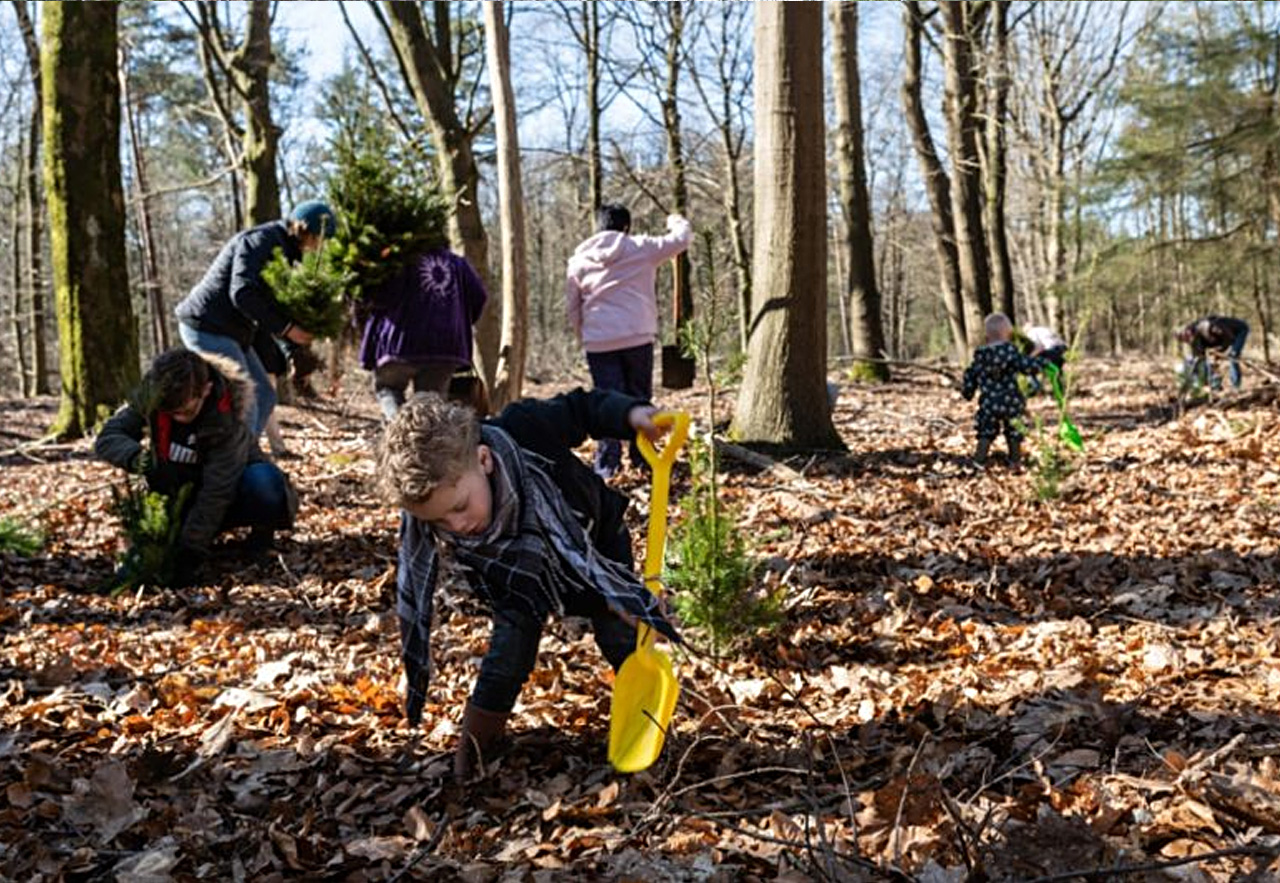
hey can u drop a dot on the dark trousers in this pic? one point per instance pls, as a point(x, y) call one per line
point(627, 371)
point(391, 381)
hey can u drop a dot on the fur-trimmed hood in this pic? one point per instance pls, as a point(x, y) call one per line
point(230, 379)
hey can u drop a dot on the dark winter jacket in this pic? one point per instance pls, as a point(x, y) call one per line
point(1215, 333)
point(424, 313)
point(210, 452)
point(232, 299)
point(994, 371)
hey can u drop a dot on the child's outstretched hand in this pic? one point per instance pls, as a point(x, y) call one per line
point(641, 419)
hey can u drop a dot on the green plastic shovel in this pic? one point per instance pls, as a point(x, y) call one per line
point(645, 691)
point(1067, 431)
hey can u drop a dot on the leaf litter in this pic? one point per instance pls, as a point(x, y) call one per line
point(970, 684)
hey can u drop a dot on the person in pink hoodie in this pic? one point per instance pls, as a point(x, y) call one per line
point(609, 295)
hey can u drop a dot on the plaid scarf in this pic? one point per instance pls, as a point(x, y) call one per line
point(535, 554)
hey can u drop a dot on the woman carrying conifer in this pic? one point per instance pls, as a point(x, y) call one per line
point(232, 302)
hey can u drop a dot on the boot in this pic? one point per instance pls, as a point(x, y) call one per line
point(980, 455)
point(481, 730)
point(1015, 452)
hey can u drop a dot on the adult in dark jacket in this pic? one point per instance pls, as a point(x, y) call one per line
point(1224, 334)
point(535, 530)
point(231, 303)
point(196, 410)
point(418, 326)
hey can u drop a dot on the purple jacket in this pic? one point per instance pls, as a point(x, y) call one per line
point(424, 313)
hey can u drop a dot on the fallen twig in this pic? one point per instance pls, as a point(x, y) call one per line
point(1121, 870)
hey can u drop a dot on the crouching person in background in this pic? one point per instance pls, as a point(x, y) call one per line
point(197, 411)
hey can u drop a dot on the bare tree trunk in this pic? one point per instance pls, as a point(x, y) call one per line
point(515, 273)
point(865, 324)
point(997, 161)
point(595, 167)
point(150, 271)
point(683, 290)
point(432, 79)
point(733, 77)
point(209, 47)
point(962, 22)
point(34, 212)
point(937, 184)
point(19, 333)
point(783, 398)
point(98, 341)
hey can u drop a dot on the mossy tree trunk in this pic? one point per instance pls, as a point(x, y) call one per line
point(783, 399)
point(865, 325)
point(97, 337)
point(252, 66)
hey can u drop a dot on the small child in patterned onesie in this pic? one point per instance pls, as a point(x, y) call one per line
point(994, 372)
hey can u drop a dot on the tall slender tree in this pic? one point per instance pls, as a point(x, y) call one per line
point(509, 379)
point(33, 247)
point(440, 78)
point(937, 183)
point(996, 163)
point(146, 237)
point(783, 399)
point(865, 324)
point(97, 338)
point(248, 68)
point(962, 25)
point(726, 97)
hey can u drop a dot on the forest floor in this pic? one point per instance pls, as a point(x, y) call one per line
point(970, 684)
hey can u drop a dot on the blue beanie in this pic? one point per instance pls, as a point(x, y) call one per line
point(316, 216)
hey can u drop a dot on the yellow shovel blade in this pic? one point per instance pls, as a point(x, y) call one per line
point(645, 691)
point(644, 699)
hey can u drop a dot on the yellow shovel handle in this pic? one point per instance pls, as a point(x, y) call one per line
point(655, 543)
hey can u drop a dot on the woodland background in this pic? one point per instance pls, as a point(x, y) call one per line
point(975, 678)
point(1108, 169)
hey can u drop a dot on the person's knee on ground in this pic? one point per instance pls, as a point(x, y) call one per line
point(265, 502)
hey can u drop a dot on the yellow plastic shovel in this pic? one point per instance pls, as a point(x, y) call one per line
point(645, 691)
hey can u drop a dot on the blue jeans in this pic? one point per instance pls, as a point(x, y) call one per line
point(262, 499)
point(513, 652)
point(208, 343)
point(1237, 347)
point(627, 371)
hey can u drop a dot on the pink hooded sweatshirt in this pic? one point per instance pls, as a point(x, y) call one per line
point(609, 290)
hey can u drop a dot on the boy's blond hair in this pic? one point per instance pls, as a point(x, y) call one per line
point(431, 441)
point(997, 325)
